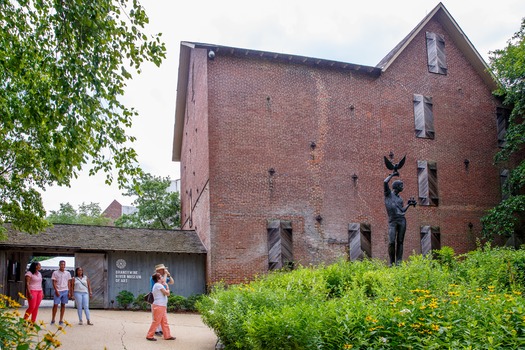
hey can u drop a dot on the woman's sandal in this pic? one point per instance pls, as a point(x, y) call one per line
point(170, 338)
point(151, 339)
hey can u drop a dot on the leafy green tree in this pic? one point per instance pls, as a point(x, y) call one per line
point(509, 66)
point(63, 70)
point(157, 207)
point(87, 214)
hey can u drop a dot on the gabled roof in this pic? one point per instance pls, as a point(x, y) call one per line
point(441, 14)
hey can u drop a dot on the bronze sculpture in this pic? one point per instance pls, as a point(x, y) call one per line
point(396, 212)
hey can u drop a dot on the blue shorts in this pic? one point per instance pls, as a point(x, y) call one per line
point(62, 298)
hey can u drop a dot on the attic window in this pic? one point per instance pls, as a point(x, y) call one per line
point(437, 60)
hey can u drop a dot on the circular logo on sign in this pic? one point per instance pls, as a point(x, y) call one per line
point(121, 263)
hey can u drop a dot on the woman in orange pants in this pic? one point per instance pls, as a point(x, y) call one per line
point(160, 292)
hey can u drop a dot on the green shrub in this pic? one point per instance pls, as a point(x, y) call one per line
point(191, 302)
point(176, 302)
point(139, 302)
point(125, 298)
point(445, 256)
point(474, 301)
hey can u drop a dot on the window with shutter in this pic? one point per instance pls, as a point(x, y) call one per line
point(280, 252)
point(360, 241)
point(427, 183)
point(505, 190)
point(437, 62)
point(423, 116)
point(430, 239)
point(502, 120)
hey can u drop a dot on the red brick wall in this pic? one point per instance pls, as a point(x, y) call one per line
point(195, 213)
point(256, 114)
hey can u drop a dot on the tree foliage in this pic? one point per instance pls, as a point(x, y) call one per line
point(509, 66)
point(87, 214)
point(63, 69)
point(157, 206)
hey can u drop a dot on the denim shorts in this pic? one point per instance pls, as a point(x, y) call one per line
point(62, 298)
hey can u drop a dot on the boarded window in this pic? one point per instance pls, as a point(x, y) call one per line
point(502, 119)
point(437, 62)
point(427, 183)
point(280, 253)
point(423, 116)
point(430, 239)
point(360, 241)
point(505, 190)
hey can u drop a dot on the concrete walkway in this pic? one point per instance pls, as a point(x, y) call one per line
point(126, 330)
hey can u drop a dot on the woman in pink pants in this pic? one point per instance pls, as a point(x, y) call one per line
point(34, 293)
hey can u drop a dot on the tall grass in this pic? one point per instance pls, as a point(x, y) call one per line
point(474, 301)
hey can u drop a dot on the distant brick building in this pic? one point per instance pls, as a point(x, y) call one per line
point(115, 210)
point(282, 155)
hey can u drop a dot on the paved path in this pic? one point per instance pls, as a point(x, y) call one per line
point(126, 330)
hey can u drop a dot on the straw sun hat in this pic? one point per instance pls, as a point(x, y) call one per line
point(160, 266)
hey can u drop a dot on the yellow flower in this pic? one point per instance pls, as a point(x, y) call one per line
point(433, 304)
point(370, 319)
point(435, 327)
point(401, 324)
point(348, 346)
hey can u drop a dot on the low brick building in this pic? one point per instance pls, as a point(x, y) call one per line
point(282, 156)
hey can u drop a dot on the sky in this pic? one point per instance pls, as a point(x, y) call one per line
point(359, 32)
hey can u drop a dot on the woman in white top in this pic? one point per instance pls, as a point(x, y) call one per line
point(82, 291)
point(160, 292)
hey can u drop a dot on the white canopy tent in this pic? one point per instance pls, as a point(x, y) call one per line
point(52, 264)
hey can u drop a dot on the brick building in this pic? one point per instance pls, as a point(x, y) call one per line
point(282, 155)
